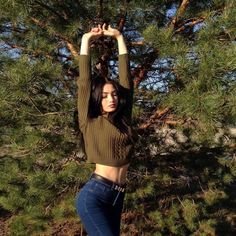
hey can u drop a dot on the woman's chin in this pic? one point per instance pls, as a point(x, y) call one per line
point(110, 110)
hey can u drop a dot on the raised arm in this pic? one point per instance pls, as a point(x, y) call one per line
point(124, 67)
point(84, 80)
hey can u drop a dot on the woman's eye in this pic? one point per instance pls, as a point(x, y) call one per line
point(112, 95)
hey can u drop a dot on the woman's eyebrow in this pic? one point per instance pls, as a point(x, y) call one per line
point(109, 92)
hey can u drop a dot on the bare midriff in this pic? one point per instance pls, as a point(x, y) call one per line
point(115, 174)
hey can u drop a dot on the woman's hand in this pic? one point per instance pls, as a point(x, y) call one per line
point(94, 33)
point(110, 31)
point(99, 31)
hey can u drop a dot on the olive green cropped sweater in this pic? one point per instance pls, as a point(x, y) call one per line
point(104, 142)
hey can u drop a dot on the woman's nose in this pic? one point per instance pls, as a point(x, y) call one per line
point(111, 98)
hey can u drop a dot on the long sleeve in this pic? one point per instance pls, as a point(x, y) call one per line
point(84, 84)
point(127, 83)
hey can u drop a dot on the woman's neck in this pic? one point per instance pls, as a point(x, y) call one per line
point(105, 114)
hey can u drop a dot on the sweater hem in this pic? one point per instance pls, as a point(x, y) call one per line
point(112, 164)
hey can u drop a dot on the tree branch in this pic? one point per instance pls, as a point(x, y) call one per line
point(51, 113)
point(30, 52)
point(179, 13)
point(121, 23)
point(191, 24)
point(72, 48)
point(138, 43)
point(159, 115)
point(140, 72)
point(50, 9)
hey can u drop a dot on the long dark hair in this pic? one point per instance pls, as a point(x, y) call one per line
point(117, 117)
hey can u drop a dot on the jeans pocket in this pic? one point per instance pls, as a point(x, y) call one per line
point(101, 192)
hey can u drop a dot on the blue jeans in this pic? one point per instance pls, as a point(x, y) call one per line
point(99, 207)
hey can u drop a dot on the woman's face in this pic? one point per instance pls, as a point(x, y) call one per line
point(109, 98)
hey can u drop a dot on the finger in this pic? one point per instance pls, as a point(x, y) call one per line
point(99, 28)
point(104, 26)
point(94, 30)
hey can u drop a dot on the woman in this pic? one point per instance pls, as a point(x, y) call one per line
point(104, 117)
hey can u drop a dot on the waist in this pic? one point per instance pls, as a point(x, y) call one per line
point(111, 184)
point(114, 174)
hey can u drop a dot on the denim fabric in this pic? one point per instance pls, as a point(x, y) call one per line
point(99, 207)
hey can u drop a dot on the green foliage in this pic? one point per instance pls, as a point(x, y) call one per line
point(181, 208)
point(158, 219)
point(204, 69)
point(23, 225)
point(171, 46)
point(212, 196)
point(190, 214)
point(134, 198)
point(228, 179)
point(65, 208)
point(206, 227)
point(190, 69)
point(173, 218)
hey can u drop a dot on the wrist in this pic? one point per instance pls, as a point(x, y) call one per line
point(119, 37)
point(86, 37)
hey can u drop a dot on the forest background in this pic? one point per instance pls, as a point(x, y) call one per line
point(182, 180)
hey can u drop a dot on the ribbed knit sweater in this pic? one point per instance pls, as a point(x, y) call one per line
point(104, 142)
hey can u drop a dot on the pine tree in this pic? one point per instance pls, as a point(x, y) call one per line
point(183, 65)
point(198, 47)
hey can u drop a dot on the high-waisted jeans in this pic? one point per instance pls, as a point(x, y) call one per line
point(99, 207)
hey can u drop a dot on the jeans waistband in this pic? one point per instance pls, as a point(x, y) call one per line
point(113, 185)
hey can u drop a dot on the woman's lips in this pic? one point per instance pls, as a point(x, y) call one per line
point(112, 105)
